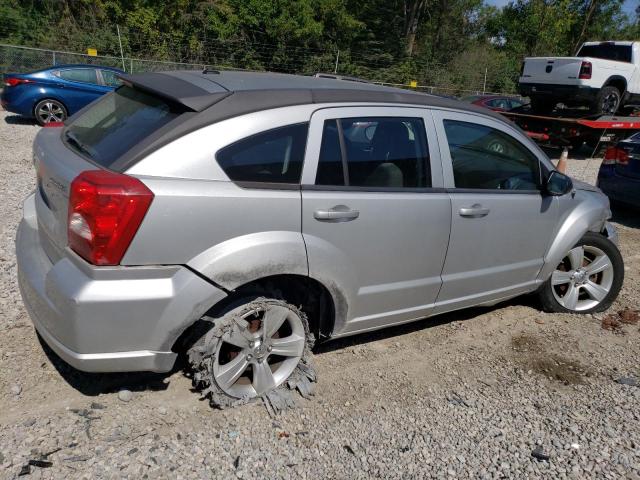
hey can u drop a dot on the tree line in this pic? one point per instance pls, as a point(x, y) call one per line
point(454, 43)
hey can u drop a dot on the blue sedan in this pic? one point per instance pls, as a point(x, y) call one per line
point(53, 94)
point(619, 175)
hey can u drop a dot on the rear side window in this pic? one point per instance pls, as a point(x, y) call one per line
point(607, 51)
point(274, 156)
point(83, 75)
point(379, 152)
point(109, 78)
point(488, 159)
point(116, 123)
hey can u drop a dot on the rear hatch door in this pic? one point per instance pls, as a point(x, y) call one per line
point(551, 70)
point(56, 167)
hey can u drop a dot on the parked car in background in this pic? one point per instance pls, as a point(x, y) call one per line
point(53, 94)
point(498, 103)
point(619, 175)
point(603, 75)
point(242, 216)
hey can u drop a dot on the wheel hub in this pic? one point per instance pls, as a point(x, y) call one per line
point(261, 351)
point(580, 277)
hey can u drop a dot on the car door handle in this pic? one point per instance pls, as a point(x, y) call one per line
point(339, 213)
point(475, 211)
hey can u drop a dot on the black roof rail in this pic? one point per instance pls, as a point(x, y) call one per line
point(341, 77)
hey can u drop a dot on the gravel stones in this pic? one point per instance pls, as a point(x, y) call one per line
point(125, 395)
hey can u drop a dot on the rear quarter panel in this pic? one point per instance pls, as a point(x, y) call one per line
point(199, 218)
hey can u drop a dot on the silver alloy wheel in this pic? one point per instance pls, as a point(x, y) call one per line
point(258, 360)
point(583, 279)
point(610, 103)
point(50, 111)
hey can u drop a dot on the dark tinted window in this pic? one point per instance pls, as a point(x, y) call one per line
point(110, 79)
point(274, 156)
point(378, 152)
point(607, 51)
point(116, 123)
point(502, 103)
point(83, 75)
point(487, 158)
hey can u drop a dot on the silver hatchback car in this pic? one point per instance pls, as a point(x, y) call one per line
point(242, 216)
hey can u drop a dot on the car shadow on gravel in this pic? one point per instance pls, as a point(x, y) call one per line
point(19, 120)
point(423, 324)
point(92, 384)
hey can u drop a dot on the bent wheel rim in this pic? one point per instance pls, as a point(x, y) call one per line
point(259, 352)
point(583, 279)
point(50, 112)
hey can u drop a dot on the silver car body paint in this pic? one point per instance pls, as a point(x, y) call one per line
point(407, 255)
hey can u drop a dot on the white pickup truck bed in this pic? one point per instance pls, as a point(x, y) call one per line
point(603, 75)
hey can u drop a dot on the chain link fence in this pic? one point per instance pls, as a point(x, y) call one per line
point(14, 58)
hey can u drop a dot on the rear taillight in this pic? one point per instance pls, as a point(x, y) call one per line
point(105, 212)
point(585, 71)
point(616, 156)
point(13, 81)
point(54, 125)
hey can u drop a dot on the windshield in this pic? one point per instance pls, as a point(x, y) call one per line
point(607, 51)
point(116, 123)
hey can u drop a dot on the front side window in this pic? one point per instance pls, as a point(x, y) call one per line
point(82, 75)
point(274, 156)
point(488, 159)
point(379, 152)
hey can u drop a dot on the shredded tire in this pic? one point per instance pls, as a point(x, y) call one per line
point(201, 358)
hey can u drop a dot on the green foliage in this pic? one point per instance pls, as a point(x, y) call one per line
point(456, 45)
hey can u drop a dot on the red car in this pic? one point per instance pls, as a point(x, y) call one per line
point(499, 103)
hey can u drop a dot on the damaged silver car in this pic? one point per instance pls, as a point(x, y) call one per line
point(240, 217)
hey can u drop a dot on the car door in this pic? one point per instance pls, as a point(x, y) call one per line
point(375, 218)
point(81, 87)
point(501, 222)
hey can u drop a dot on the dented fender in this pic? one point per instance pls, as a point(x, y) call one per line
point(581, 212)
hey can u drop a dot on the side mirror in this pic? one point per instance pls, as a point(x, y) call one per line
point(558, 184)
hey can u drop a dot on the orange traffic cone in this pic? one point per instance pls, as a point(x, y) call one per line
point(562, 163)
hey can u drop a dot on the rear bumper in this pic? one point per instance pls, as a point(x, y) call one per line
point(561, 92)
point(111, 319)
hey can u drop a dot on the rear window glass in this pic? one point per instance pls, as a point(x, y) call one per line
point(116, 123)
point(607, 51)
point(83, 75)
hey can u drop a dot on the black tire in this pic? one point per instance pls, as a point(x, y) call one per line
point(607, 101)
point(546, 292)
point(209, 343)
point(57, 112)
point(542, 105)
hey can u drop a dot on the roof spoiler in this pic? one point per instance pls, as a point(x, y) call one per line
point(177, 90)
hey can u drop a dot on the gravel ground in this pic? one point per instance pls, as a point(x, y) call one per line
point(468, 394)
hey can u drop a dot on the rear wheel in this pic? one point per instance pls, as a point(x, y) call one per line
point(49, 110)
point(588, 279)
point(252, 348)
point(607, 101)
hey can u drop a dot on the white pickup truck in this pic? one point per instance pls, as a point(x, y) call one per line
point(603, 75)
